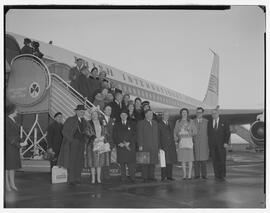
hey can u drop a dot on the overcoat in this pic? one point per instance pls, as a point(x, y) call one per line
point(67, 154)
point(200, 141)
point(148, 138)
point(12, 145)
point(167, 142)
point(55, 136)
point(128, 133)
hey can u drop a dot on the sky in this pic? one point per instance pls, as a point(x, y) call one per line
point(168, 47)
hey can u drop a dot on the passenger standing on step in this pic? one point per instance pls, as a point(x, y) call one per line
point(116, 106)
point(55, 137)
point(27, 49)
point(201, 147)
point(12, 147)
point(71, 155)
point(218, 137)
point(94, 82)
point(74, 72)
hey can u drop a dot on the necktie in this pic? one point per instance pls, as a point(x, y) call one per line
point(216, 124)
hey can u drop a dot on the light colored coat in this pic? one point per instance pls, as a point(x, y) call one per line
point(200, 141)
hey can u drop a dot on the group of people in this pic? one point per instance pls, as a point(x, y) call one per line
point(127, 126)
point(31, 47)
point(186, 141)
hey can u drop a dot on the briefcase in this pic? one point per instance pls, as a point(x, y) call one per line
point(142, 157)
point(59, 174)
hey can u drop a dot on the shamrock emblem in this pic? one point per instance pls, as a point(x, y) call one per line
point(34, 89)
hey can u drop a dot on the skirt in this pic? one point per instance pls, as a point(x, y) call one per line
point(185, 155)
point(12, 157)
point(95, 159)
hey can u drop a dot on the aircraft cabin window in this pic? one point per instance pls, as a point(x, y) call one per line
point(142, 83)
point(130, 79)
point(124, 77)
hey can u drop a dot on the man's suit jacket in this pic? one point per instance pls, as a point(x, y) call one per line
point(126, 133)
point(219, 136)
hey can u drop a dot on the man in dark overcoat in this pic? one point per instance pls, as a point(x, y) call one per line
point(167, 144)
point(74, 72)
point(124, 137)
point(55, 136)
point(71, 154)
point(148, 141)
point(218, 137)
point(27, 49)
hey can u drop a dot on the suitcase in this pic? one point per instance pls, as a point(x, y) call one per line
point(143, 158)
point(59, 175)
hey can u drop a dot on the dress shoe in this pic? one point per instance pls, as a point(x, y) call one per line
point(190, 178)
point(145, 180)
point(184, 178)
point(72, 183)
point(171, 179)
point(14, 188)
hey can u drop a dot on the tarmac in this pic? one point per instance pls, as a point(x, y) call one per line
point(244, 188)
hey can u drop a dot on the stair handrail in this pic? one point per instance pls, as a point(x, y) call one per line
point(75, 91)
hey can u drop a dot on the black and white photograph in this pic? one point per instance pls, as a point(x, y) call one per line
point(134, 105)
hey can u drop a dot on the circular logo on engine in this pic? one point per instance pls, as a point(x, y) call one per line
point(34, 89)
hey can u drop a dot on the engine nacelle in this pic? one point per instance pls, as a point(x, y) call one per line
point(257, 133)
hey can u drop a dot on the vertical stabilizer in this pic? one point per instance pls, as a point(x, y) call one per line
point(211, 97)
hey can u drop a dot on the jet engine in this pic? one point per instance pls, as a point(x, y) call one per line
point(257, 132)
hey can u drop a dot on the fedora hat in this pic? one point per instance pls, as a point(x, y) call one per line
point(80, 107)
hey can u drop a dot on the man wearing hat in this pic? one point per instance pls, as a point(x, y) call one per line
point(74, 72)
point(71, 154)
point(146, 107)
point(55, 137)
point(26, 48)
point(148, 141)
point(124, 137)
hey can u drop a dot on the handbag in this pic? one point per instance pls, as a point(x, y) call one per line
point(113, 156)
point(142, 157)
point(186, 143)
point(59, 174)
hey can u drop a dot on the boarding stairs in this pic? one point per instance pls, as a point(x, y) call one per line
point(61, 98)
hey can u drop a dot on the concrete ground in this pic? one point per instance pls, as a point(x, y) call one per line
point(243, 188)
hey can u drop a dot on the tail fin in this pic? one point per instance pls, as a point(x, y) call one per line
point(211, 97)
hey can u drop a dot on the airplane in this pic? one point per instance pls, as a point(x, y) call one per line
point(40, 87)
